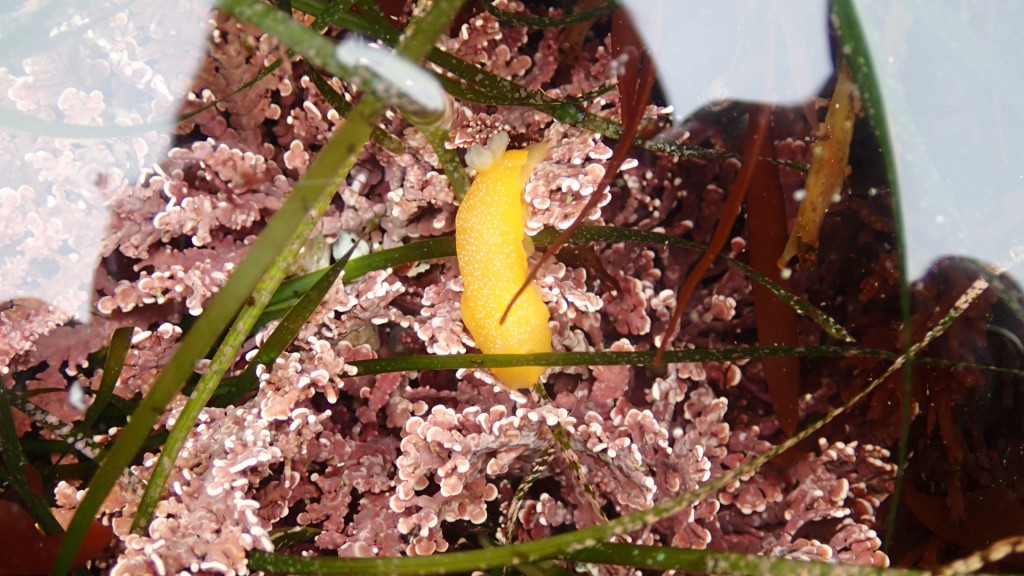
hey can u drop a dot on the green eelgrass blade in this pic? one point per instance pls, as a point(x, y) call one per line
point(549, 21)
point(636, 358)
point(232, 389)
point(856, 52)
point(285, 537)
point(642, 358)
point(445, 246)
point(117, 351)
point(72, 438)
point(438, 137)
point(563, 545)
point(278, 341)
point(14, 460)
point(801, 306)
point(78, 439)
point(536, 471)
point(691, 561)
point(296, 318)
point(357, 267)
point(255, 79)
point(483, 86)
point(338, 102)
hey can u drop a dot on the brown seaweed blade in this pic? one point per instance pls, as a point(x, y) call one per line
point(753, 144)
point(776, 322)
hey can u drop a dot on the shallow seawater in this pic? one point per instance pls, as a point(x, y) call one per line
point(149, 151)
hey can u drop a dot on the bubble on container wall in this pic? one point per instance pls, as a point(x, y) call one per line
point(1017, 254)
point(394, 78)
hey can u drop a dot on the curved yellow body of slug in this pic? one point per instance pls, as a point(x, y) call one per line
point(489, 241)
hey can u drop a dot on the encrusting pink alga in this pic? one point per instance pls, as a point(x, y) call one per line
point(412, 463)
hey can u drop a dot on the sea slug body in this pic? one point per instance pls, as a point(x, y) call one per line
point(492, 249)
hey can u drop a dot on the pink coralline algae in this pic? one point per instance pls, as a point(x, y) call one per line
point(440, 324)
point(843, 485)
point(414, 463)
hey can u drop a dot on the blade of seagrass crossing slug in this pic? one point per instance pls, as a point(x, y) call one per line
point(636, 82)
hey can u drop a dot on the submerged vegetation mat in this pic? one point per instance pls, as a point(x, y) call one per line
point(278, 376)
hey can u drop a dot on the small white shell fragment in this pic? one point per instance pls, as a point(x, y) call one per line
point(77, 397)
point(345, 241)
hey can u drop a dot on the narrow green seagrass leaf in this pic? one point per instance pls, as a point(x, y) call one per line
point(549, 21)
point(293, 289)
point(233, 389)
point(615, 234)
point(338, 102)
point(117, 351)
point(564, 545)
point(14, 460)
point(72, 438)
point(445, 246)
point(269, 254)
point(855, 50)
point(493, 89)
point(637, 358)
point(690, 561)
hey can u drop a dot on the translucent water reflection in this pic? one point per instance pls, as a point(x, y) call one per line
point(951, 84)
point(949, 80)
point(769, 52)
point(89, 96)
point(89, 92)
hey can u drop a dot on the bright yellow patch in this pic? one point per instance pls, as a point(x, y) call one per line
point(489, 241)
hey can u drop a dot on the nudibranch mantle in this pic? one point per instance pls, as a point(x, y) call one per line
point(492, 249)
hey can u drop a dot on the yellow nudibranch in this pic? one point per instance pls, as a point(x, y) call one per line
point(492, 248)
